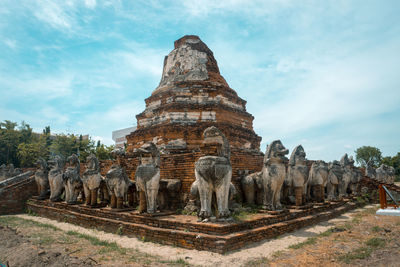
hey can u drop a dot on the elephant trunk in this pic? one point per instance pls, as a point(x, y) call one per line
point(142, 201)
point(319, 193)
point(113, 203)
point(93, 197)
point(120, 202)
point(298, 193)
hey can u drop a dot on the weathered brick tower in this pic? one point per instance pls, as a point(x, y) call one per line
point(192, 96)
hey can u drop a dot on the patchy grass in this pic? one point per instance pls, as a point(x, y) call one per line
point(348, 225)
point(313, 240)
point(376, 229)
point(364, 251)
point(8, 221)
point(108, 246)
point(178, 262)
point(277, 254)
point(376, 242)
point(327, 232)
point(245, 212)
point(263, 261)
point(357, 254)
point(120, 230)
point(309, 241)
point(15, 221)
point(241, 216)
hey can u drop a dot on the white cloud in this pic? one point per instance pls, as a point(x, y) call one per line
point(255, 8)
point(57, 14)
point(104, 140)
point(10, 43)
point(47, 87)
point(344, 89)
point(90, 4)
point(102, 123)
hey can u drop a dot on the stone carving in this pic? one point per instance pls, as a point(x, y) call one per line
point(385, 174)
point(334, 177)
point(8, 171)
point(72, 180)
point(355, 182)
point(213, 174)
point(42, 179)
point(147, 175)
point(117, 181)
point(249, 187)
point(264, 187)
point(347, 165)
point(56, 178)
point(3, 172)
point(194, 204)
point(317, 180)
point(93, 181)
point(273, 175)
point(297, 176)
point(370, 171)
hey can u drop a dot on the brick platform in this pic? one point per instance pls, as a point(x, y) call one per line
point(185, 231)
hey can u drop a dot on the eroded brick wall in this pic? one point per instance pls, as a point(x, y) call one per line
point(180, 165)
point(14, 195)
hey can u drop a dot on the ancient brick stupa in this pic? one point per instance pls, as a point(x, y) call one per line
point(192, 96)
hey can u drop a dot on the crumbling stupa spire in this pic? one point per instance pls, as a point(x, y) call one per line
point(191, 60)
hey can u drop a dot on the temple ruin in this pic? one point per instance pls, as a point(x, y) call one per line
point(193, 162)
point(192, 96)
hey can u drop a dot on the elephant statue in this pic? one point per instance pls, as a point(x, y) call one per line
point(93, 182)
point(335, 176)
point(249, 187)
point(317, 180)
point(370, 171)
point(385, 174)
point(355, 182)
point(42, 179)
point(117, 181)
point(72, 181)
point(273, 175)
point(297, 177)
point(194, 198)
point(347, 166)
point(56, 178)
point(213, 174)
point(147, 176)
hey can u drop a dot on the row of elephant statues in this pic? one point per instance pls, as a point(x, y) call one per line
point(8, 171)
point(112, 189)
point(281, 180)
point(294, 181)
point(384, 174)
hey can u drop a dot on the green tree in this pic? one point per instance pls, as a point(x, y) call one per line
point(67, 145)
point(25, 133)
point(395, 163)
point(369, 154)
point(9, 140)
point(103, 152)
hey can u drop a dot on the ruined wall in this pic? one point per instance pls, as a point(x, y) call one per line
point(14, 193)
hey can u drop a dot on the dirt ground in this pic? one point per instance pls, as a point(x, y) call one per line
point(365, 240)
point(356, 238)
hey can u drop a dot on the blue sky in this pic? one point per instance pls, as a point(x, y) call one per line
point(324, 74)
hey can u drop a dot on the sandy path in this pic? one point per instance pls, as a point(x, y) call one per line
point(236, 258)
